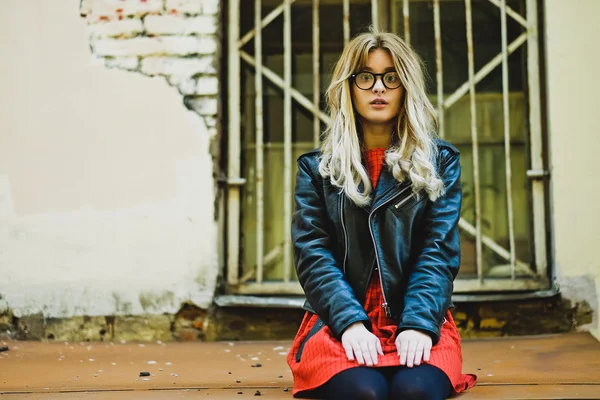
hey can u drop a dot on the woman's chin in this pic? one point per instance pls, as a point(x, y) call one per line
point(379, 120)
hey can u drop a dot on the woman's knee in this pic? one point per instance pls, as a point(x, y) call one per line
point(359, 384)
point(421, 383)
point(370, 393)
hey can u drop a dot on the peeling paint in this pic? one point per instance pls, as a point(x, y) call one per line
point(201, 280)
point(121, 307)
point(582, 292)
point(149, 300)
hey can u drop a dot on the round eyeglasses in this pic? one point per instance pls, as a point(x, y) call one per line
point(366, 80)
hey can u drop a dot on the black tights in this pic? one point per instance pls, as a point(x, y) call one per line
point(424, 382)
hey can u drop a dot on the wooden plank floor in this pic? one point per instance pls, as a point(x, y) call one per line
point(545, 367)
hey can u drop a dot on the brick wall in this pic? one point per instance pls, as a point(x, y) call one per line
point(176, 39)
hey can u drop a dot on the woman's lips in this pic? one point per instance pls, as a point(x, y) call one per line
point(378, 105)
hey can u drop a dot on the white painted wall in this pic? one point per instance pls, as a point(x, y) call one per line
point(572, 38)
point(106, 188)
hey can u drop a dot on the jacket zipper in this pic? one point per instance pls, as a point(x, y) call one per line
point(385, 305)
point(404, 200)
point(344, 230)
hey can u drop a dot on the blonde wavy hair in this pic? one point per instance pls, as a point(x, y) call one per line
point(412, 151)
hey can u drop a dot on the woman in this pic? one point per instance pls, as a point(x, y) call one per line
point(375, 236)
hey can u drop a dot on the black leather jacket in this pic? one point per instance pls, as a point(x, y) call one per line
point(409, 241)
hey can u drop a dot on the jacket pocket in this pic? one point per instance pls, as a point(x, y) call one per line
point(316, 328)
point(404, 204)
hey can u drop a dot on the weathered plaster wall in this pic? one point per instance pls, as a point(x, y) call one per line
point(106, 179)
point(571, 41)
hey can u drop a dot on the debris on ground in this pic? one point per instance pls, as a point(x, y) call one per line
point(257, 393)
point(256, 365)
point(144, 373)
point(3, 349)
point(286, 389)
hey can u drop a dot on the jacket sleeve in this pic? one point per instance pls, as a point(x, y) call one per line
point(430, 284)
point(322, 279)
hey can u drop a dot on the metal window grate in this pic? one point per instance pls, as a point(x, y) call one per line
point(269, 77)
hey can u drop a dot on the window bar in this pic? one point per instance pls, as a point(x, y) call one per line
point(287, 138)
point(233, 163)
point(535, 132)
point(375, 13)
point(259, 142)
point(523, 267)
point(439, 67)
point(394, 16)
point(476, 187)
point(484, 71)
point(346, 22)
point(316, 74)
point(515, 15)
point(276, 80)
point(266, 21)
point(509, 203)
point(405, 13)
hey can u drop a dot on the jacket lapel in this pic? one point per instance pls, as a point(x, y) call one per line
point(387, 187)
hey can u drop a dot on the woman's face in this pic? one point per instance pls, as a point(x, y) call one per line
point(378, 105)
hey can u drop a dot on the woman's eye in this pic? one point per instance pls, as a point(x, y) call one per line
point(391, 78)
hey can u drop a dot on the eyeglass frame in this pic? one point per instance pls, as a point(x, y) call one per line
point(353, 78)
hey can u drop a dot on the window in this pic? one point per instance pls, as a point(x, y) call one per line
point(503, 243)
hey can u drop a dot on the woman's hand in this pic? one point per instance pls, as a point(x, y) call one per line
point(413, 347)
point(362, 344)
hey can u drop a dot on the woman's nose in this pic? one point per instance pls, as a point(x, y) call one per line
point(379, 86)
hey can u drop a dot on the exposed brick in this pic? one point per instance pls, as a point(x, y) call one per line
point(211, 122)
point(460, 316)
point(76, 329)
point(128, 63)
point(208, 44)
point(85, 7)
point(123, 28)
point(31, 327)
point(185, 6)
point(3, 306)
point(143, 328)
point(176, 25)
point(202, 105)
point(210, 7)
point(188, 335)
point(178, 66)
point(186, 86)
point(491, 323)
point(143, 46)
point(207, 85)
point(120, 8)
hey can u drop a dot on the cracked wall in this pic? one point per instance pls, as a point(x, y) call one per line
point(174, 39)
point(107, 186)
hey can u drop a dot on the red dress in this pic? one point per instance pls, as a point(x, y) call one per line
point(323, 355)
